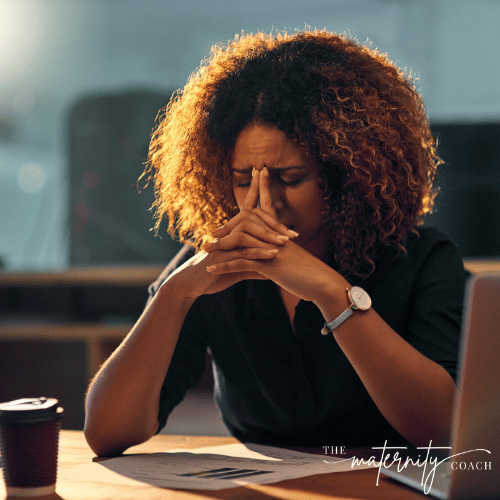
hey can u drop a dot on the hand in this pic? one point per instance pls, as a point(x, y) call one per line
point(254, 224)
point(293, 268)
point(253, 234)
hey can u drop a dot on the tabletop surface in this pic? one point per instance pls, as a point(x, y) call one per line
point(350, 485)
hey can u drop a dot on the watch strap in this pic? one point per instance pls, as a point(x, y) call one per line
point(336, 322)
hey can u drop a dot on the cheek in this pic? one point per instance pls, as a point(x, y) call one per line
point(311, 200)
point(312, 205)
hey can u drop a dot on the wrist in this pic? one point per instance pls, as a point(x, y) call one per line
point(176, 300)
point(359, 300)
point(332, 299)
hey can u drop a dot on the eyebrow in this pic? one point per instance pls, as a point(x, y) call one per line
point(273, 169)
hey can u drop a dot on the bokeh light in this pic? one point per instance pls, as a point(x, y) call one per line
point(91, 178)
point(31, 178)
point(21, 34)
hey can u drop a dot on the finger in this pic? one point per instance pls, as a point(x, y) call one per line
point(234, 266)
point(259, 217)
point(238, 239)
point(242, 255)
point(265, 196)
point(252, 197)
point(273, 223)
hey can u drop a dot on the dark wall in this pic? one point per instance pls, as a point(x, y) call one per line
point(107, 140)
point(468, 206)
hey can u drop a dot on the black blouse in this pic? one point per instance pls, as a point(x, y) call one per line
point(281, 387)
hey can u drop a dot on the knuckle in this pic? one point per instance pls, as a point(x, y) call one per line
point(221, 267)
point(239, 238)
point(245, 224)
point(246, 252)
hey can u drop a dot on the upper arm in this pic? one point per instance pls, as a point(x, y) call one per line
point(436, 303)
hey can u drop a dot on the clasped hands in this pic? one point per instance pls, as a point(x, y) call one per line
point(255, 234)
point(254, 242)
point(255, 245)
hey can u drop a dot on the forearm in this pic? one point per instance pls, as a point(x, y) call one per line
point(414, 393)
point(123, 399)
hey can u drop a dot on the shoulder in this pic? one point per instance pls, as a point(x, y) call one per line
point(436, 271)
point(430, 250)
point(427, 251)
point(432, 266)
point(427, 237)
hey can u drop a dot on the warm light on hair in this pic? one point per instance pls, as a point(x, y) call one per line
point(347, 105)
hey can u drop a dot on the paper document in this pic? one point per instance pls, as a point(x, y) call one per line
point(211, 468)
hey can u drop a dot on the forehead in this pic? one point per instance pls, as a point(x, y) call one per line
point(261, 145)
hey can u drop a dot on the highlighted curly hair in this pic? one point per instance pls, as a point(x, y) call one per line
point(345, 104)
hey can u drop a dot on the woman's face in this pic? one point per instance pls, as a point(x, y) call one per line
point(294, 182)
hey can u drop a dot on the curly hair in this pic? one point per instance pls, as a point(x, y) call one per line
point(347, 105)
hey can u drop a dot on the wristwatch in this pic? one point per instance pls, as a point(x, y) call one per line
point(359, 299)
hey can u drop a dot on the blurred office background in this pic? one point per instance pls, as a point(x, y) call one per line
point(81, 82)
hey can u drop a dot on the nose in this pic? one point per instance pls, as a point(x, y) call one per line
point(277, 195)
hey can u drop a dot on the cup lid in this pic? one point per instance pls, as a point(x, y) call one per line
point(30, 410)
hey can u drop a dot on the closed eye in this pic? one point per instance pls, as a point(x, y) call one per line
point(282, 181)
point(243, 183)
point(295, 182)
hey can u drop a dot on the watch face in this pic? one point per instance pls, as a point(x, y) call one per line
point(360, 298)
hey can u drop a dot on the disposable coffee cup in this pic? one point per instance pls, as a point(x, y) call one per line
point(29, 440)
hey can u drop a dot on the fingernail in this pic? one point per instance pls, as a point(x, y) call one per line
point(293, 233)
point(265, 172)
point(282, 237)
point(211, 269)
point(273, 251)
point(253, 171)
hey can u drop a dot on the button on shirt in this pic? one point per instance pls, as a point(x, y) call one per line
point(284, 386)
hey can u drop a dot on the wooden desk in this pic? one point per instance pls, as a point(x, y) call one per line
point(341, 485)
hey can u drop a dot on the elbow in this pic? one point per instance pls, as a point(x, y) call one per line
point(109, 443)
point(432, 424)
point(430, 429)
point(101, 443)
point(99, 438)
point(429, 436)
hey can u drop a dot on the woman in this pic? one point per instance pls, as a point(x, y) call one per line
point(303, 165)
